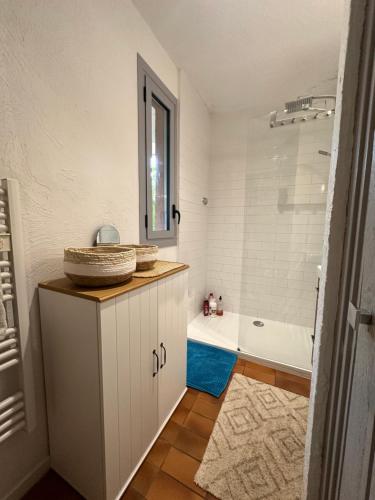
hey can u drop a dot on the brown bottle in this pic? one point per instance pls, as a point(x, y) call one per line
point(206, 307)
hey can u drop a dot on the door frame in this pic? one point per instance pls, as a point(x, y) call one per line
point(341, 266)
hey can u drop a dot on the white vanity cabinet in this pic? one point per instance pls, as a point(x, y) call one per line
point(115, 369)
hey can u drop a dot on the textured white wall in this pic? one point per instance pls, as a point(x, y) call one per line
point(194, 180)
point(266, 217)
point(68, 133)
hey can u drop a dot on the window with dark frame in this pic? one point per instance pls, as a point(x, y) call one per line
point(157, 109)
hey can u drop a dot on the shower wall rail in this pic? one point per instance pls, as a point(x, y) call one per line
point(17, 410)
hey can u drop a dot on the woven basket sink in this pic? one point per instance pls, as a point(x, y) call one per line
point(99, 266)
point(147, 255)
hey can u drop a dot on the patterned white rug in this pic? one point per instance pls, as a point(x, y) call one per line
point(256, 449)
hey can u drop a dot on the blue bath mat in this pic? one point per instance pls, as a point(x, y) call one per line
point(208, 367)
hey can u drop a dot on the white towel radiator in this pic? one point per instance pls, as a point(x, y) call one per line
point(17, 410)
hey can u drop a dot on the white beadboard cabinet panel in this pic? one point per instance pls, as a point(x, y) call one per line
point(72, 376)
point(135, 376)
point(163, 328)
point(149, 383)
point(182, 329)
point(123, 370)
point(143, 325)
point(106, 317)
point(172, 314)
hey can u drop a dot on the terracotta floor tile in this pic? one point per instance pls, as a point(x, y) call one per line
point(166, 488)
point(293, 383)
point(191, 443)
point(158, 452)
point(208, 397)
point(238, 369)
point(183, 468)
point(170, 432)
point(199, 424)
point(206, 408)
point(259, 372)
point(144, 478)
point(223, 394)
point(179, 415)
point(188, 400)
point(192, 391)
point(132, 494)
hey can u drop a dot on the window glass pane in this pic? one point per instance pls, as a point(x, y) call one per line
point(159, 168)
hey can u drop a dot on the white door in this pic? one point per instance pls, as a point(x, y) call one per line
point(137, 387)
point(349, 438)
point(358, 480)
point(172, 337)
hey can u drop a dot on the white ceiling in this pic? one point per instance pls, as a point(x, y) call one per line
point(250, 54)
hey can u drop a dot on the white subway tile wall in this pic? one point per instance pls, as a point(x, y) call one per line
point(266, 215)
point(193, 186)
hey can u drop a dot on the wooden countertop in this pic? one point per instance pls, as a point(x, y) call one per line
point(64, 285)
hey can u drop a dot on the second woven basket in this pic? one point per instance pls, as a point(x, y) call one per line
point(147, 255)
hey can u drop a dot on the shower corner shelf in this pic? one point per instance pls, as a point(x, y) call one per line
point(17, 410)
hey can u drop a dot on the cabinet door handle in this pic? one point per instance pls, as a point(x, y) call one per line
point(165, 355)
point(157, 363)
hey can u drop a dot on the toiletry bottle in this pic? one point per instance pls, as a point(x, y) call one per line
point(210, 300)
point(220, 309)
point(206, 307)
point(213, 306)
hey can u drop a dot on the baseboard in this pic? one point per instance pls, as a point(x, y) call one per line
point(29, 480)
point(121, 492)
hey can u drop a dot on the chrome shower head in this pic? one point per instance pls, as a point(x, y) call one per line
point(300, 104)
point(303, 109)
